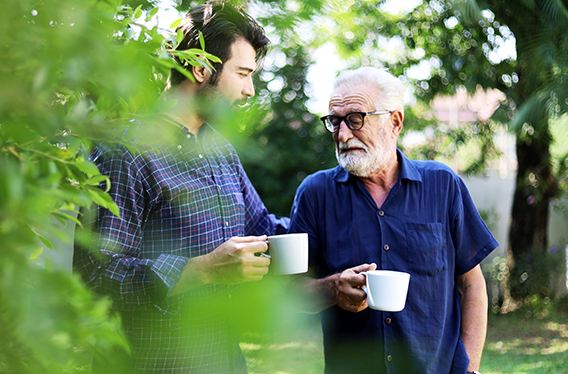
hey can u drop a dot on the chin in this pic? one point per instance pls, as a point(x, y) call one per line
point(362, 166)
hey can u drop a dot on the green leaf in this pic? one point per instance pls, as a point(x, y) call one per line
point(152, 14)
point(169, 105)
point(201, 40)
point(97, 180)
point(176, 23)
point(46, 242)
point(103, 199)
point(35, 255)
point(179, 37)
point(138, 11)
point(64, 217)
point(87, 167)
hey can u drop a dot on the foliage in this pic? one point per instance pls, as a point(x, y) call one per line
point(72, 73)
point(536, 293)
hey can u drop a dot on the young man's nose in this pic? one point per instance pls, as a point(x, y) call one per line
point(248, 89)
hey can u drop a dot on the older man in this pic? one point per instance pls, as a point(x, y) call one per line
point(379, 209)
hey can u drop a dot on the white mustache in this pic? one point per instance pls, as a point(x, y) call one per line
point(353, 143)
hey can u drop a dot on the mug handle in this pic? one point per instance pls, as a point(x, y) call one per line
point(366, 288)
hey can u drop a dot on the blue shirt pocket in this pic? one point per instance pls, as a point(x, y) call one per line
point(426, 248)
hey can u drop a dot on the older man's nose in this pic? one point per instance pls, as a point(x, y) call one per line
point(344, 133)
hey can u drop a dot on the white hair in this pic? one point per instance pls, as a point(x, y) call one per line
point(390, 88)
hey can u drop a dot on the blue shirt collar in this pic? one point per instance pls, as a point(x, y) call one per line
point(407, 170)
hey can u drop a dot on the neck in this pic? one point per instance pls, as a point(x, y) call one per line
point(183, 112)
point(380, 183)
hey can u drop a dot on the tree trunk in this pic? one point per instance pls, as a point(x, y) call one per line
point(528, 235)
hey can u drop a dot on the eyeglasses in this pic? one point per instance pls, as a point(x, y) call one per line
point(354, 120)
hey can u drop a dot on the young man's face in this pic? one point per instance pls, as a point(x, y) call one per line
point(234, 84)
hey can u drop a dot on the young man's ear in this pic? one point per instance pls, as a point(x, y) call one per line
point(200, 73)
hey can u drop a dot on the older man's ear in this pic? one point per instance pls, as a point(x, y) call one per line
point(397, 119)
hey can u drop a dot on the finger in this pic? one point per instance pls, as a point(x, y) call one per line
point(249, 239)
point(251, 244)
point(353, 280)
point(259, 261)
point(357, 295)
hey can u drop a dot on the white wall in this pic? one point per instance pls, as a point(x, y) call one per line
point(495, 195)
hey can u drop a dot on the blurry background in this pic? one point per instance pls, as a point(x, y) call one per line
point(486, 94)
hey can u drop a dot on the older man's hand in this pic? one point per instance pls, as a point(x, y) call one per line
point(350, 296)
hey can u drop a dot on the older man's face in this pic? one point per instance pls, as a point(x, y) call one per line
point(368, 150)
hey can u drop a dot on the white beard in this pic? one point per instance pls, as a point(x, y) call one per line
point(363, 165)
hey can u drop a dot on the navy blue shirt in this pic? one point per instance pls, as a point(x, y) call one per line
point(429, 227)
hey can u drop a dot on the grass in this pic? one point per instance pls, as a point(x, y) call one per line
point(516, 344)
point(520, 345)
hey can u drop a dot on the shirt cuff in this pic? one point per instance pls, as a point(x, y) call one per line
point(168, 268)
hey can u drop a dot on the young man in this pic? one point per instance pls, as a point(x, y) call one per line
point(190, 221)
point(381, 210)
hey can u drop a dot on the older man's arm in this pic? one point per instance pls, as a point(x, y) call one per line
point(473, 293)
point(341, 289)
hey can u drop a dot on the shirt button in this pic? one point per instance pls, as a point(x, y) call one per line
point(200, 156)
point(179, 146)
point(188, 136)
point(227, 224)
point(386, 247)
point(381, 213)
point(388, 321)
point(389, 358)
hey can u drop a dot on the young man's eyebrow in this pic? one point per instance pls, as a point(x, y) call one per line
point(246, 69)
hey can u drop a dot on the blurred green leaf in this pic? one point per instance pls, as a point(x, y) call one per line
point(87, 167)
point(176, 23)
point(103, 199)
point(34, 256)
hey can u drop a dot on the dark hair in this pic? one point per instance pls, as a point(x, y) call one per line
point(221, 24)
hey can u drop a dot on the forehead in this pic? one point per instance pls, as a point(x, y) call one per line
point(353, 97)
point(243, 55)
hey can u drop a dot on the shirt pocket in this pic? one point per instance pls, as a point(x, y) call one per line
point(425, 246)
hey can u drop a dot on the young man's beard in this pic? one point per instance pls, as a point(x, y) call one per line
point(211, 102)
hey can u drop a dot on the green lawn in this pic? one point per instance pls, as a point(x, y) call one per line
point(515, 345)
point(518, 345)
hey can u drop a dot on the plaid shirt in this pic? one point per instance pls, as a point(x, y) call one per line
point(178, 200)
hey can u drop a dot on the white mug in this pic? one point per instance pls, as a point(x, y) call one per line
point(386, 289)
point(289, 253)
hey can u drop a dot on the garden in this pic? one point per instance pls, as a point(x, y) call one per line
point(76, 72)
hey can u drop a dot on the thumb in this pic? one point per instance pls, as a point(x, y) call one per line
point(364, 267)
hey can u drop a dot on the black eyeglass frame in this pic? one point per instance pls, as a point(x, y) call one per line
point(328, 125)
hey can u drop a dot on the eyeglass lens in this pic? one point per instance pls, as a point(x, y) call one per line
point(353, 120)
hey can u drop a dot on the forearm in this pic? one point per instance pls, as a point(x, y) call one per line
point(130, 282)
point(315, 294)
point(193, 276)
point(474, 306)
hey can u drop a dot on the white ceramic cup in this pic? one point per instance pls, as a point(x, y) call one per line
point(386, 289)
point(289, 253)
